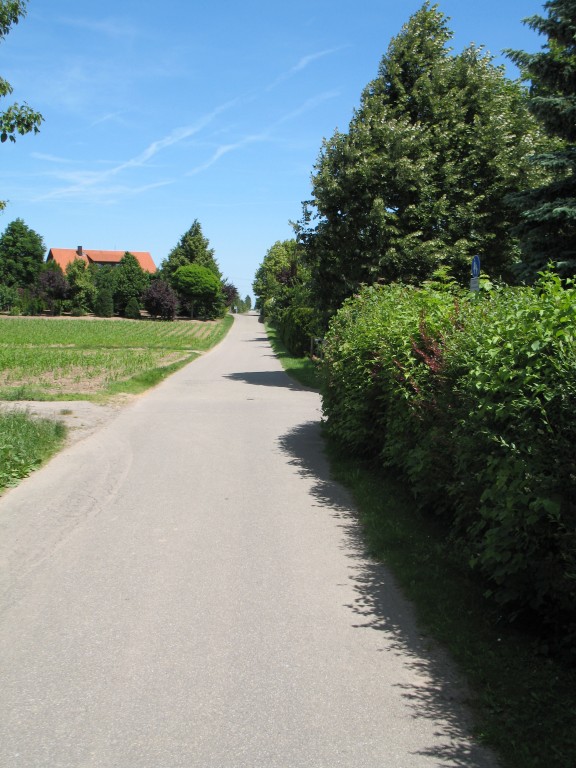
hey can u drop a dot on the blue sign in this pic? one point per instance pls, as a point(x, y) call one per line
point(476, 266)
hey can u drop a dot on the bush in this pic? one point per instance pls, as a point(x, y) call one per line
point(104, 303)
point(132, 311)
point(472, 399)
point(160, 300)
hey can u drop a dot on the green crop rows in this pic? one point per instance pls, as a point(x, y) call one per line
point(49, 358)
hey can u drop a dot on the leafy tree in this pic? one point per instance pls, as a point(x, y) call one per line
point(160, 300)
point(282, 285)
point(276, 275)
point(129, 281)
point(201, 290)
point(193, 248)
point(104, 302)
point(52, 287)
point(21, 255)
point(82, 288)
point(231, 296)
point(420, 179)
point(16, 118)
point(548, 212)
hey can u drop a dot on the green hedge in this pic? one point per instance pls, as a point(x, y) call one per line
point(472, 399)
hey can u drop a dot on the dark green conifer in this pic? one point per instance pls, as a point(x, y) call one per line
point(548, 212)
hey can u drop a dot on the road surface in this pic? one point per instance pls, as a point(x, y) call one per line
point(187, 588)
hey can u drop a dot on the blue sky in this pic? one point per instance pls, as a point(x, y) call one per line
point(159, 113)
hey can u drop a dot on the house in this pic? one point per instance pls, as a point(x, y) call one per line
point(64, 256)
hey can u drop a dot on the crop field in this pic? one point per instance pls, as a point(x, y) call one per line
point(56, 358)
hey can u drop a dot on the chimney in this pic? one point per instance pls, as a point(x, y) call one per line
point(79, 250)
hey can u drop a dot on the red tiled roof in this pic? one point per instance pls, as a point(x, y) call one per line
point(64, 256)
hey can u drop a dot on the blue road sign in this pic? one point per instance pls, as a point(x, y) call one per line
point(476, 266)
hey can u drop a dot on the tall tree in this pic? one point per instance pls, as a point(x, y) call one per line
point(192, 248)
point(420, 179)
point(16, 118)
point(21, 255)
point(129, 281)
point(548, 212)
point(276, 275)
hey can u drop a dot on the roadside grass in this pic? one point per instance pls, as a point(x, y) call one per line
point(524, 702)
point(303, 369)
point(25, 444)
point(90, 359)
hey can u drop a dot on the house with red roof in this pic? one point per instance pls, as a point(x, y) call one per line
point(64, 256)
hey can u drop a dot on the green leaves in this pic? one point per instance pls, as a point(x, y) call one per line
point(421, 177)
point(472, 401)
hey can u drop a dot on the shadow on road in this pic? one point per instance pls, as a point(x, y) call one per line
point(379, 605)
point(265, 379)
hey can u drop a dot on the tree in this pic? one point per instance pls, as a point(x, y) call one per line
point(276, 275)
point(193, 248)
point(548, 212)
point(201, 290)
point(160, 300)
point(52, 287)
point(16, 118)
point(21, 255)
point(129, 281)
point(104, 302)
point(231, 296)
point(420, 179)
point(82, 289)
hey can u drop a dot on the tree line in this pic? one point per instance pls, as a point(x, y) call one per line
point(189, 281)
point(444, 159)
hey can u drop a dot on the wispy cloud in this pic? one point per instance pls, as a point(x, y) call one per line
point(84, 180)
point(266, 135)
point(51, 158)
point(303, 64)
point(224, 149)
point(110, 27)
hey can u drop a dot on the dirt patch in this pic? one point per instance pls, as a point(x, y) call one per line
point(81, 417)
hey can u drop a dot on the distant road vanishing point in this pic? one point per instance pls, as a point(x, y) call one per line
point(187, 588)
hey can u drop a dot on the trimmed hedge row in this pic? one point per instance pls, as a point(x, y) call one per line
point(472, 399)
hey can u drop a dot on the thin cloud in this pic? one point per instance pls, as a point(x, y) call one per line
point(82, 181)
point(110, 27)
point(303, 64)
point(225, 149)
point(50, 158)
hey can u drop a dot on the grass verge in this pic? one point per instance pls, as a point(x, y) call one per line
point(25, 444)
point(524, 702)
point(302, 369)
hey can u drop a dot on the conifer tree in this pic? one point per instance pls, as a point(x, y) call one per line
point(548, 212)
point(192, 248)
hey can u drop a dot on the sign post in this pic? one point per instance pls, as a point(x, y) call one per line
point(475, 272)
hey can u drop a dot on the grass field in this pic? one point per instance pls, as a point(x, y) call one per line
point(71, 358)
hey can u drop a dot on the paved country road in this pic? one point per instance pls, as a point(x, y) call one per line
point(187, 588)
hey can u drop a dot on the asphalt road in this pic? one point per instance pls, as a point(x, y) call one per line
point(187, 587)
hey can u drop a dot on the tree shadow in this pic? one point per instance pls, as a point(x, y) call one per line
point(439, 695)
point(265, 379)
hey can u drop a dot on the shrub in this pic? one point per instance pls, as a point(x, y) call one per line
point(160, 300)
point(472, 399)
point(132, 310)
point(104, 303)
